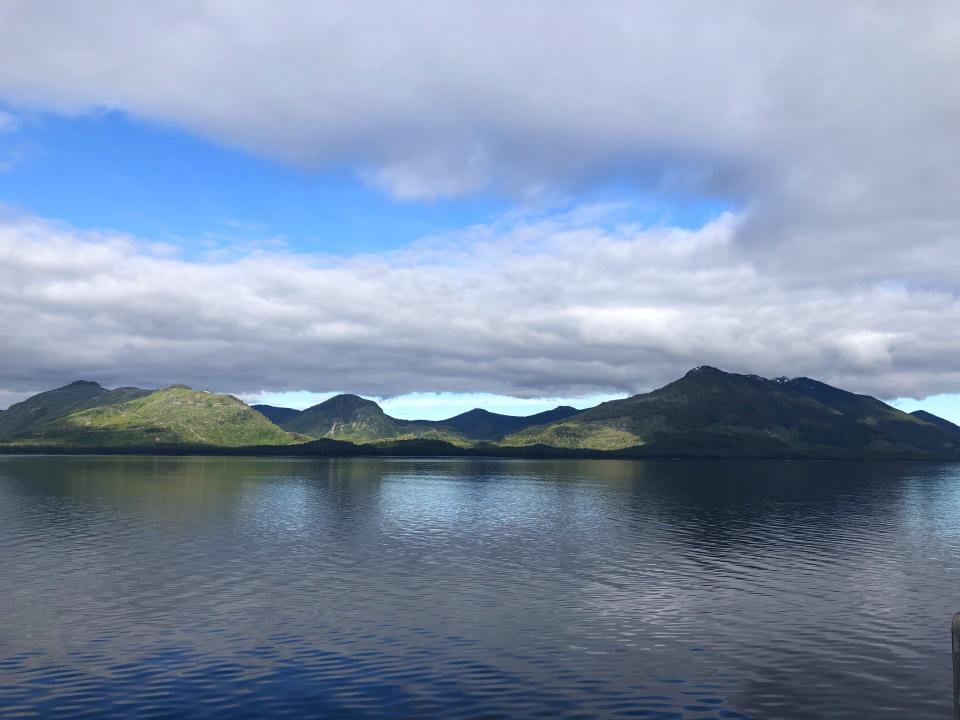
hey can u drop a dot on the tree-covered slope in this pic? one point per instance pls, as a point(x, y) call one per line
point(710, 412)
point(175, 415)
point(946, 425)
point(276, 415)
point(355, 419)
point(707, 413)
point(480, 424)
point(344, 417)
point(23, 418)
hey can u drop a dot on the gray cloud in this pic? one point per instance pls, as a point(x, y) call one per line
point(823, 102)
point(833, 127)
point(561, 306)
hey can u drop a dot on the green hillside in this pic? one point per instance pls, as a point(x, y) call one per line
point(710, 412)
point(576, 434)
point(24, 418)
point(357, 420)
point(176, 415)
point(706, 413)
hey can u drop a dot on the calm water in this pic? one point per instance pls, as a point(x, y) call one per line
point(167, 587)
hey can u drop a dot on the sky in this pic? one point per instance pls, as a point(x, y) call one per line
point(444, 205)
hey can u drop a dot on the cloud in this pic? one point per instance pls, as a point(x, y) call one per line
point(12, 148)
point(561, 306)
point(836, 124)
point(832, 128)
point(7, 122)
point(818, 104)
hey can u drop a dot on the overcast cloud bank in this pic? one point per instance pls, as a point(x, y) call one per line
point(557, 307)
point(833, 127)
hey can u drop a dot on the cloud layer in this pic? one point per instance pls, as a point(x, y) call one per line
point(557, 307)
point(834, 128)
point(835, 102)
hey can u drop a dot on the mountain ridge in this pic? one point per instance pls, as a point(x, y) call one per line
point(940, 422)
point(705, 413)
point(481, 424)
point(73, 397)
point(275, 414)
point(732, 415)
point(133, 416)
point(356, 419)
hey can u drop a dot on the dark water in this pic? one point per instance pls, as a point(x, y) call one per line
point(142, 587)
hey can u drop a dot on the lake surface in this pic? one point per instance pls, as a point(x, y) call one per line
point(245, 587)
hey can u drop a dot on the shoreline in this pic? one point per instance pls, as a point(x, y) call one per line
point(341, 450)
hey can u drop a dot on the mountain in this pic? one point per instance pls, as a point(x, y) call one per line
point(23, 418)
point(176, 415)
point(276, 415)
point(706, 413)
point(928, 417)
point(479, 424)
point(345, 417)
point(352, 418)
point(709, 412)
point(355, 419)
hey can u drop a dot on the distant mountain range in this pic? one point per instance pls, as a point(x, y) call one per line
point(354, 419)
point(706, 413)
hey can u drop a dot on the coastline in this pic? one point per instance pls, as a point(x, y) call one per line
point(436, 449)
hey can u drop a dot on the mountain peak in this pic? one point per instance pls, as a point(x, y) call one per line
point(805, 382)
point(706, 413)
point(709, 376)
point(345, 417)
point(482, 424)
point(475, 413)
point(932, 419)
point(701, 370)
point(345, 401)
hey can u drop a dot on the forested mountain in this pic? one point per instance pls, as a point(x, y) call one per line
point(706, 413)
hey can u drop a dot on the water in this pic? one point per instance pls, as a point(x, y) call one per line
point(238, 587)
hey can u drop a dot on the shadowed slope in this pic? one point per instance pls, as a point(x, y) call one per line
point(706, 413)
point(711, 412)
point(940, 422)
point(480, 424)
point(276, 415)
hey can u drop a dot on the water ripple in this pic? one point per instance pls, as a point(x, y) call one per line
point(228, 587)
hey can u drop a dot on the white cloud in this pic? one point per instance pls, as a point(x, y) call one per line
point(551, 308)
point(816, 105)
point(836, 124)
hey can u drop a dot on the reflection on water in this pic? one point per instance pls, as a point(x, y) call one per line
point(231, 587)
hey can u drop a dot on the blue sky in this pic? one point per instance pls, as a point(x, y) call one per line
point(105, 170)
point(440, 406)
point(946, 406)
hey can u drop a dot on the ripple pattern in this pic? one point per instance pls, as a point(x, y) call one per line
point(386, 588)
